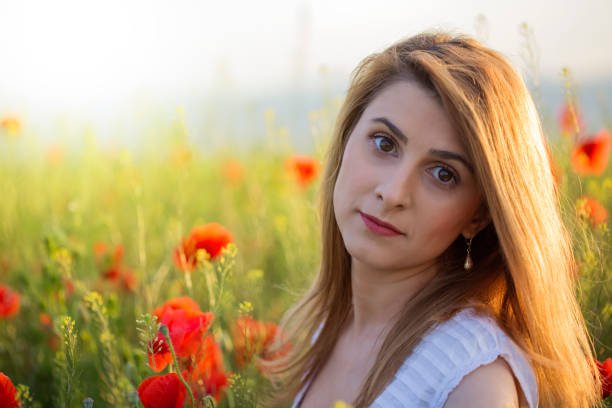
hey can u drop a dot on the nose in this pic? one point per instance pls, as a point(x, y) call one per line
point(396, 187)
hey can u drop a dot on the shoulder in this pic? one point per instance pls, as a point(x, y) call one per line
point(488, 386)
point(464, 353)
point(482, 352)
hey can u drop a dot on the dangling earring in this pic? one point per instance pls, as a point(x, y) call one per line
point(468, 259)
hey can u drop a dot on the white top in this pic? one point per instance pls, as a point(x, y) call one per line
point(446, 354)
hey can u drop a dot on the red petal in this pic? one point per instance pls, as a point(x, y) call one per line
point(304, 168)
point(212, 237)
point(595, 211)
point(165, 391)
point(180, 303)
point(159, 361)
point(607, 366)
point(9, 302)
point(186, 329)
point(591, 155)
point(209, 374)
point(8, 393)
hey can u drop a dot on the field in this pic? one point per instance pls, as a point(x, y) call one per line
point(97, 246)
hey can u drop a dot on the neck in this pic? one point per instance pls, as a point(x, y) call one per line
point(379, 295)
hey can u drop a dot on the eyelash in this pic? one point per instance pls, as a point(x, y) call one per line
point(453, 181)
point(455, 178)
point(378, 135)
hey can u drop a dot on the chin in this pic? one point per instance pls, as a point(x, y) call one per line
point(378, 264)
point(372, 255)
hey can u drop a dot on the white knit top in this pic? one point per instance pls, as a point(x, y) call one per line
point(446, 354)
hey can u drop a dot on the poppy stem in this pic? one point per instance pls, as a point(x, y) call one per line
point(208, 400)
point(164, 330)
point(188, 283)
point(209, 285)
point(567, 77)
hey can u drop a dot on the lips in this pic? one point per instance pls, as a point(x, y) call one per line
point(378, 226)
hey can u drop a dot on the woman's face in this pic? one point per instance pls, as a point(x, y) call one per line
point(405, 165)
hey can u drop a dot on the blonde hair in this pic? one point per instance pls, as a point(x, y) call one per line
point(524, 271)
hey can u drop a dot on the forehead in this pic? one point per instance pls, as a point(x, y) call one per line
point(417, 113)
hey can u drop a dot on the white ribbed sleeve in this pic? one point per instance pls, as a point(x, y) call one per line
point(445, 355)
point(449, 352)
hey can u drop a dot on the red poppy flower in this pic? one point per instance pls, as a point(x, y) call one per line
point(162, 356)
point(211, 237)
point(53, 341)
point(45, 319)
point(186, 327)
point(592, 210)
point(253, 338)
point(232, 170)
point(11, 124)
point(68, 286)
point(166, 391)
point(112, 268)
point(180, 303)
point(8, 393)
point(591, 155)
point(110, 263)
point(567, 120)
point(99, 249)
point(605, 375)
point(186, 331)
point(128, 280)
point(9, 302)
point(209, 376)
point(303, 168)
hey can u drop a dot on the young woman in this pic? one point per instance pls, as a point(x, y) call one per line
point(446, 277)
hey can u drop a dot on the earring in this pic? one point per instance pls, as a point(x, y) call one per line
point(468, 259)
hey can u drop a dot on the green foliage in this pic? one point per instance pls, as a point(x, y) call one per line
point(66, 360)
point(53, 212)
point(25, 397)
point(110, 370)
point(242, 391)
point(147, 327)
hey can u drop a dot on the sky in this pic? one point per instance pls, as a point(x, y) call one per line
point(98, 59)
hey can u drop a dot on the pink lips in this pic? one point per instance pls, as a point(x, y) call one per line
point(379, 227)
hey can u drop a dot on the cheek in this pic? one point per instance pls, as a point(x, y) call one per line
point(339, 196)
point(350, 179)
point(344, 193)
point(446, 219)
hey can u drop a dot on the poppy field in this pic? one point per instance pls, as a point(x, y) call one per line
point(157, 279)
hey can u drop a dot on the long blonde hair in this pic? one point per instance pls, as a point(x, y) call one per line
point(524, 270)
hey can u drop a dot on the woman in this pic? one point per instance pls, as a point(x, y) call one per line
point(446, 276)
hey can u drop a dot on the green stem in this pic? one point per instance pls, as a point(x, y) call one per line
point(209, 400)
point(209, 284)
point(164, 330)
point(188, 283)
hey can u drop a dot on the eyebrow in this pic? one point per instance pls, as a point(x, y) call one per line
point(393, 128)
point(443, 154)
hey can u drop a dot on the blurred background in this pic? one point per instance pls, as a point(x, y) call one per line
point(139, 138)
point(72, 64)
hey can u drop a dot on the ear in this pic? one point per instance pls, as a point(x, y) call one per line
point(480, 220)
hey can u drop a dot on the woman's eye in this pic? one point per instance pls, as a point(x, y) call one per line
point(383, 143)
point(444, 175)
